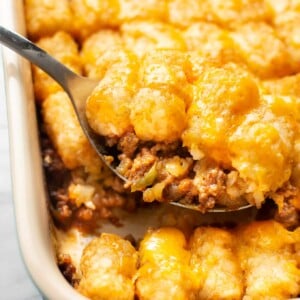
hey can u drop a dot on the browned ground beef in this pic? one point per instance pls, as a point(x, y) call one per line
point(182, 189)
point(137, 159)
point(67, 268)
point(128, 144)
point(288, 215)
point(65, 213)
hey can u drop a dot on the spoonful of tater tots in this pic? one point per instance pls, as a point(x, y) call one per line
point(179, 128)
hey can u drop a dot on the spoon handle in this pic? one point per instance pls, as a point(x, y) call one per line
point(37, 56)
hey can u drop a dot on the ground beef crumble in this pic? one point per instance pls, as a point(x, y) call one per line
point(287, 214)
point(208, 188)
point(206, 193)
point(67, 268)
point(128, 144)
point(136, 160)
point(64, 211)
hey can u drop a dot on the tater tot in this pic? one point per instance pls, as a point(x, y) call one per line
point(287, 27)
point(157, 115)
point(261, 149)
point(222, 96)
point(265, 252)
point(63, 47)
point(227, 13)
point(107, 109)
point(285, 86)
point(44, 17)
point(262, 51)
point(131, 10)
point(287, 106)
point(94, 47)
point(92, 15)
point(280, 7)
point(164, 271)
point(185, 13)
point(232, 13)
point(67, 136)
point(200, 63)
point(108, 265)
point(212, 254)
point(117, 65)
point(169, 69)
point(211, 41)
point(142, 37)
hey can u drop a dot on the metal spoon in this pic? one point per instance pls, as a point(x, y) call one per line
point(78, 89)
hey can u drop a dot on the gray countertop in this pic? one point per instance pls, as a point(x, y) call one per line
point(15, 283)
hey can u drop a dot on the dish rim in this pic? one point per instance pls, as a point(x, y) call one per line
point(33, 223)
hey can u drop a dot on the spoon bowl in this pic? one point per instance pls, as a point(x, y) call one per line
point(78, 88)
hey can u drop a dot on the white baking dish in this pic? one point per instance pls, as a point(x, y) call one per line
point(34, 226)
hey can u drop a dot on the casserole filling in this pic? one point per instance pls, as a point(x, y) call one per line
point(201, 100)
point(200, 110)
point(188, 129)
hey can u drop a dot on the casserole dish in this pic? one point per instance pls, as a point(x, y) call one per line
point(36, 231)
